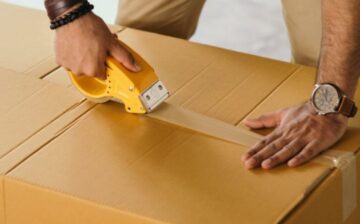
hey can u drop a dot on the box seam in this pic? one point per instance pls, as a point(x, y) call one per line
point(49, 140)
point(297, 69)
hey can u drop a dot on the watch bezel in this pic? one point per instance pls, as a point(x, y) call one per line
point(318, 110)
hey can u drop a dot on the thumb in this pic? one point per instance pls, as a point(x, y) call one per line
point(265, 121)
point(125, 58)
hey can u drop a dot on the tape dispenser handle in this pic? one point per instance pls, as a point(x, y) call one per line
point(93, 88)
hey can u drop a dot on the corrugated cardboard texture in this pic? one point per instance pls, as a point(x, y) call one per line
point(171, 175)
point(325, 204)
point(26, 40)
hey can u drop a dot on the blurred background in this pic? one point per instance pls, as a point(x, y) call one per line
point(252, 26)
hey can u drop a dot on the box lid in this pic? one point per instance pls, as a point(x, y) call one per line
point(28, 105)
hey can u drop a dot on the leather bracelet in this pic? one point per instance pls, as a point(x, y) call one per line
point(56, 8)
point(85, 8)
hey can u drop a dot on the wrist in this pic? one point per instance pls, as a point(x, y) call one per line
point(72, 14)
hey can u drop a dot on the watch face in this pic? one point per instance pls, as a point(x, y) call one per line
point(326, 99)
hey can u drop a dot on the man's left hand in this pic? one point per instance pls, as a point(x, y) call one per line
point(300, 134)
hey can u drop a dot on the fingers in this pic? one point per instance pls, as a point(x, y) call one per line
point(265, 153)
point(287, 151)
point(101, 71)
point(96, 69)
point(309, 152)
point(124, 57)
point(265, 121)
point(260, 145)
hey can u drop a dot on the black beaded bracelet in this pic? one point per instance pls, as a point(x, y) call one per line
point(85, 8)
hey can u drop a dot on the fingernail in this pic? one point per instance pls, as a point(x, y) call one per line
point(244, 158)
point(250, 163)
point(266, 164)
point(137, 66)
point(292, 162)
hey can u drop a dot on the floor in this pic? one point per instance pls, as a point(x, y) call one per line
point(252, 26)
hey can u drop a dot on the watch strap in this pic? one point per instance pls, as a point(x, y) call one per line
point(347, 107)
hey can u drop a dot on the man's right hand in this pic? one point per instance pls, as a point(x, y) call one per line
point(83, 45)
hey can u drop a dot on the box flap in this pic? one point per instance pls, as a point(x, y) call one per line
point(219, 83)
point(28, 105)
point(174, 175)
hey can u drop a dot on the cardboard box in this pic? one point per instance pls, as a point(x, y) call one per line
point(118, 162)
point(108, 166)
point(27, 43)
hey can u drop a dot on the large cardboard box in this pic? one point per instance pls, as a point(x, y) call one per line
point(72, 161)
point(27, 43)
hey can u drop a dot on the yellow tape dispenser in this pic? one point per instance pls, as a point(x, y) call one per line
point(140, 92)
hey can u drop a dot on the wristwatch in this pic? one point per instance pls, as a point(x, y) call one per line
point(327, 98)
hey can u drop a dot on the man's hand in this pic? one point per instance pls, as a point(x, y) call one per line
point(83, 45)
point(300, 135)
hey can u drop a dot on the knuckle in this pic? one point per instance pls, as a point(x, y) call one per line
point(309, 153)
point(274, 147)
point(258, 157)
point(251, 152)
point(274, 159)
point(77, 71)
point(263, 141)
point(300, 158)
point(91, 71)
point(289, 150)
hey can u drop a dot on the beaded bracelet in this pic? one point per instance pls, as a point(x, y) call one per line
point(85, 8)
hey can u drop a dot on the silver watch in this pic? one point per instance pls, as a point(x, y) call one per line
point(327, 98)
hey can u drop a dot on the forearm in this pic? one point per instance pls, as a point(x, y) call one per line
point(340, 53)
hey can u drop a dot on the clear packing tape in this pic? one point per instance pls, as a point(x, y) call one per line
point(346, 163)
point(341, 160)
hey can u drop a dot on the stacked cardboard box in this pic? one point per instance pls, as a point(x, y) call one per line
point(66, 160)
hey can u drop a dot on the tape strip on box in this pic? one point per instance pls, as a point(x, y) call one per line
point(344, 161)
point(203, 124)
